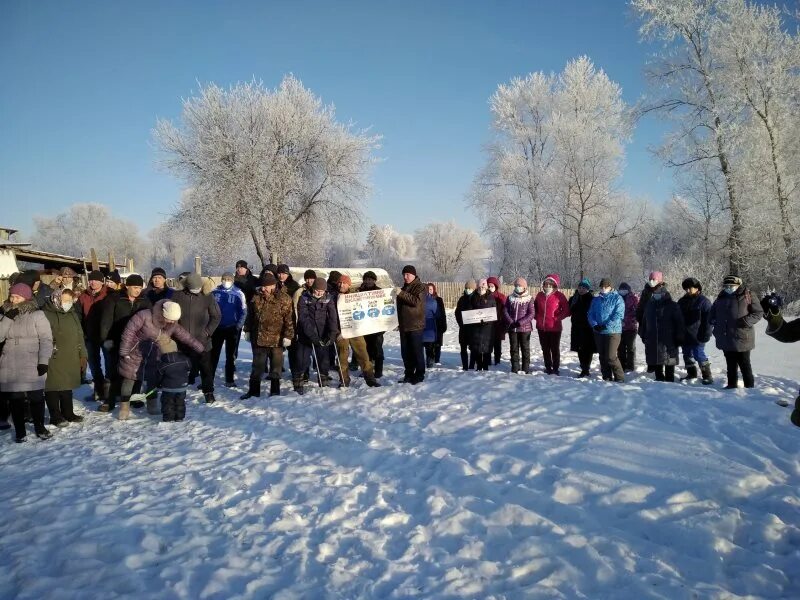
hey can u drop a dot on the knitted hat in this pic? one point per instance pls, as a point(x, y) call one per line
point(370, 275)
point(345, 279)
point(551, 280)
point(272, 268)
point(410, 269)
point(320, 284)
point(521, 281)
point(334, 277)
point(606, 282)
point(585, 283)
point(193, 281)
point(470, 285)
point(158, 271)
point(116, 278)
point(21, 289)
point(241, 263)
point(268, 278)
point(658, 276)
point(494, 281)
point(691, 282)
point(732, 280)
point(171, 311)
point(283, 269)
point(96, 276)
point(310, 274)
point(134, 280)
point(67, 272)
point(227, 275)
point(624, 286)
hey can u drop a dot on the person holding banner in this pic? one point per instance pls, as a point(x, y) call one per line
point(358, 345)
point(465, 329)
point(483, 333)
point(411, 320)
point(317, 326)
point(374, 341)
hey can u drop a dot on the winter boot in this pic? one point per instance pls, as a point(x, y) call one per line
point(167, 407)
point(691, 373)
point(659, 371)
point(124, 410)
point(795, 418)
point(68, 410)
point(371, 381)
point(669, 373)
point(275, 387)
point(297, 384)
point(107, 406)
point(209, 396)
point(705, 371)
point(152, 405)
point(43, 434)
point(54, 408)
point(733, 381)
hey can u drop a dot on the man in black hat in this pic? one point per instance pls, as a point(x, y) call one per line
point(157, 288)
point(317, 329)
point(245, 280)
point(411, 319)
point(369, 282)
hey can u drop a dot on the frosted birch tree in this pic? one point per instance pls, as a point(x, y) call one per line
point(266, 165)
point(447, 250)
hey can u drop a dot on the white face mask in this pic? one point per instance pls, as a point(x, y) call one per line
point(606, 291)
point(653, 283)
point(196, 290)
point(227, 284)
point(519, 289)
point(730, 289)
point(623, 292)
point(548, 290)
point(66, 306)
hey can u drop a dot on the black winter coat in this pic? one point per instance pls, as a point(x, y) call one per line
point(464, 331)
point(200, 315)
point(732, 317)
point(317, 319)
point(441, 321)
point(644, 298)
point(581, 336)
point(173, 372)
point(247, 283)
point(696, 311)
point(482, 335)
point(662, 330)
point(117, 311)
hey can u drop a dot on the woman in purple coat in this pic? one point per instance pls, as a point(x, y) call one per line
point(518, 314)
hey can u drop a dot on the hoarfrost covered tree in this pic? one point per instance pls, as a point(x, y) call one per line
point(265, 165)
point(388, 249)
point(447, 250)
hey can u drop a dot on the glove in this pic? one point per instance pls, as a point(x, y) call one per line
point(84, 363)
point(11, 313)
point(246, 336)
point(772, 303)
point(41, 370)
point(108, 344)
point(598, 328)
point(287, 342)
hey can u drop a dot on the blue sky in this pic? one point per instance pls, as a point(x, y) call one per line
point(84, 82)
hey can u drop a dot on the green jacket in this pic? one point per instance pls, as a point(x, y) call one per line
point(68, 349)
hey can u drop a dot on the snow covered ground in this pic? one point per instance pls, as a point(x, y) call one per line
point(467, 486)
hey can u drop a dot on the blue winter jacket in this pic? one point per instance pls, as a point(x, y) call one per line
point(232, 305)
point(431, 317)
point(607, 310)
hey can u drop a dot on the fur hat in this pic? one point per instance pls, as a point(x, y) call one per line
point(134, 279)
point(96, 276)
point(171, 311)
point(410, 269)
point(272, 268)
point(691, 282)
point(21, 289)
point(193, 281)
point(370, 275)
point(310, 274)
point(67, 272)
point(320, 284)
point(268, 278)
point(158, 271)
point(732, 280)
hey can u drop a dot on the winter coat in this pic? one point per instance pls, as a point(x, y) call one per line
point(482, 336)
point(607, 310)
point(289, 287)
point(500, 303)
point(139, 353)
point(27, 342)
point(550, 310)
point(232, 306)
point(581, 335)
point(441, 323)
point(644, 298)
point(411, 307)
point(91, 307)
point(629, 322)
point(317, 319)
point(696, 311)
point(269, 319)
point(155, 295)
point(64, 372)
point(42, 295)
point(464, 331)
point(662, 330)
point(200, 315)
point(117, 311)
point(519, 309)
point(732, 317)
point(173, 372)
point(432, 320)
point(247, 283)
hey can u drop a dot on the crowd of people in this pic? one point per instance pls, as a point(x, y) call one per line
point(146, 341)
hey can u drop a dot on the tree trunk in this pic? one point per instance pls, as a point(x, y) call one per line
point(786, 226)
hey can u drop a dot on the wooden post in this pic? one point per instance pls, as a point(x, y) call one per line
point(129, 265)
point(197, 265)
point(111, 263)
point(95, 262)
